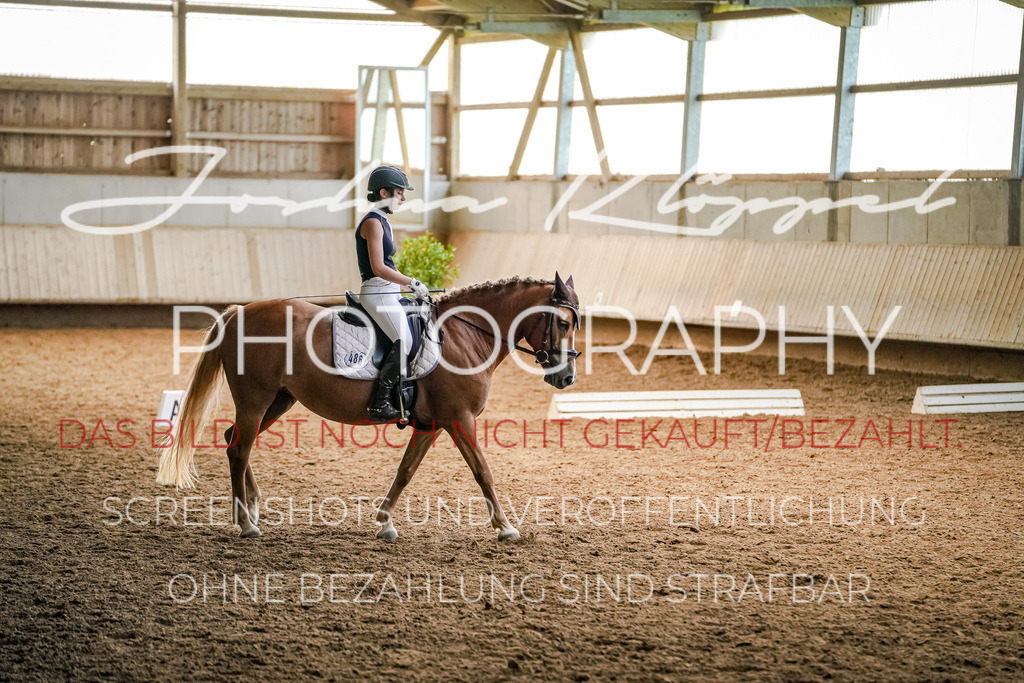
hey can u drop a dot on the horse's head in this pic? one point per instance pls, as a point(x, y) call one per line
point(554, 340)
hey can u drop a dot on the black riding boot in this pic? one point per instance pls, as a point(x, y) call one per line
point(381, 408)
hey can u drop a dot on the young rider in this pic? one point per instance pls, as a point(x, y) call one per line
point(382, 283)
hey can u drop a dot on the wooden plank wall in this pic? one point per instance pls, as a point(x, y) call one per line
point(952, 294)
point(328, 123)
point(35, 111)
point(275, 132)
point(174, 265)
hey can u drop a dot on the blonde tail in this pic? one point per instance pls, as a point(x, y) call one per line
point(176, 463)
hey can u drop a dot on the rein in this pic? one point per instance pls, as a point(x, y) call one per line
point(490, 334)
point(542, 356)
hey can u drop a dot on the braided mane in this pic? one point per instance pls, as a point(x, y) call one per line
point(457, 295)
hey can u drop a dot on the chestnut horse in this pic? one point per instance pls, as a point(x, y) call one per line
point(480, 324)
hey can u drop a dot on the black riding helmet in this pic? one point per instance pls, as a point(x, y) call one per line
point(386, 177)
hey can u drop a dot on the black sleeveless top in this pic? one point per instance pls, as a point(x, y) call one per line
point(363, 253)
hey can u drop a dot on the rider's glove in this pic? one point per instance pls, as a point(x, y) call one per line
point(419, 289)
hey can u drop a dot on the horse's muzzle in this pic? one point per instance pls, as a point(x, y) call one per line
point(560, 380)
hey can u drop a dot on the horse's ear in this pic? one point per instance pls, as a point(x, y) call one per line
point(568, 283)
point(559, 285)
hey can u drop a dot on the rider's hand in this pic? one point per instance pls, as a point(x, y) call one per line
point(419, 289)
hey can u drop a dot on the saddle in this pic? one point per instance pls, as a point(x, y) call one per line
point(352, 353)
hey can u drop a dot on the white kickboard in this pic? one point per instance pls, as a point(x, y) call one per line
point(998, 397)
point(717, 403)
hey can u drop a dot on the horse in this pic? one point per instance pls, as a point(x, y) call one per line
point(475, 321)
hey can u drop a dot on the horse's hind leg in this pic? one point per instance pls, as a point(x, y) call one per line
point(248, 421)
point(282, 403)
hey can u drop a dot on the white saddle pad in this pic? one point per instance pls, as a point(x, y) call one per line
point(352, 348)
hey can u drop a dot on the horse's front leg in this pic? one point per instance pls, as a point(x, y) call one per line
point(418, 446)
point(463, 433)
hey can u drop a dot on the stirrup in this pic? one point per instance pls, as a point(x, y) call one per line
point(403, 419)
point(384, 416)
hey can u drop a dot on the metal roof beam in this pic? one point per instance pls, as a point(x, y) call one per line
point(649, 16)
point(1017, 161)
point(96, 4)
point(551, 33)
point(454, 100)
point(241, 10)
point(288, 13)
point(794, 4)
point(695, 58)
point(846, 77)
point(179, 87)
point(835, 12)
point(563, 121)
point(520, 27)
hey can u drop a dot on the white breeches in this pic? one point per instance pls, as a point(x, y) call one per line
point(380, 299)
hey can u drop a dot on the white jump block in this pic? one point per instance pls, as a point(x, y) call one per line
point(719, 403)
point(998, 397)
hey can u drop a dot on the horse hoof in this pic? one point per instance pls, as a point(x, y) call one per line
point(387, 533)
point(252, 532)
point(508, 535)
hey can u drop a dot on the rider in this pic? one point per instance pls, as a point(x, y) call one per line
point(379, 294)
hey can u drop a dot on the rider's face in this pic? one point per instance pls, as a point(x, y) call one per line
point(397, 198)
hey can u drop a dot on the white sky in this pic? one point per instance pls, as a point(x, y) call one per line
point(963, 128)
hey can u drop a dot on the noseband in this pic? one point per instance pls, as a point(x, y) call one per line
point(554, 355)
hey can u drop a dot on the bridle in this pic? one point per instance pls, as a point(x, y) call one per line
point(553, 355)
point(547, 357)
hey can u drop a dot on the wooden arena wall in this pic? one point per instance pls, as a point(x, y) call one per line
point(85, 126)
point(174, 265)
point(203, 254)
point(64, 141)
point(962, 294)
point(956, 271)
point(952, 294)
point(967, 211)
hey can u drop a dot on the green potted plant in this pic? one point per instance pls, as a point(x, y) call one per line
point(427, 260)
